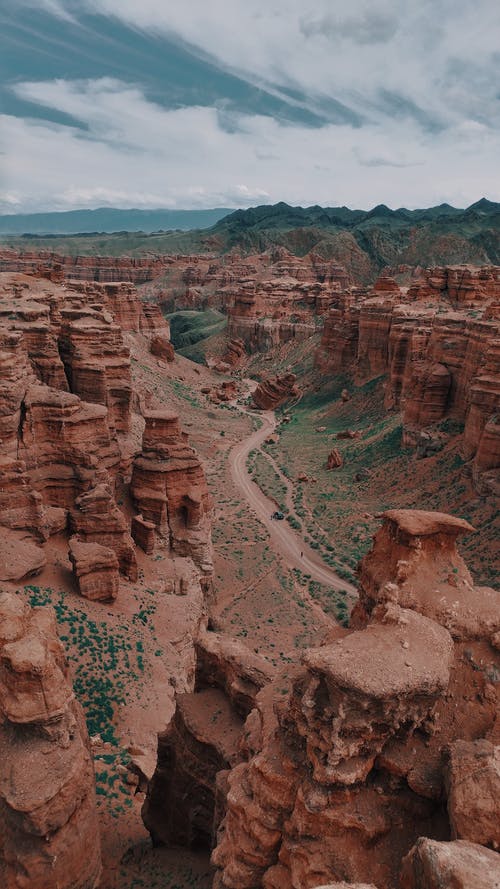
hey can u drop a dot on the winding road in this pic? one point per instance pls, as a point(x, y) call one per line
point(291, 545)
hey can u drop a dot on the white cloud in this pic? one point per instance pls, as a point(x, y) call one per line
point(135, 153)
point(437, 54)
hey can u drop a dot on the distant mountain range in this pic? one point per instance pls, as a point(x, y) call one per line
point(108, 219)
point(363, 241)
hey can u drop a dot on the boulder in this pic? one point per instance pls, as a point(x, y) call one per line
point(473, 783)
point(335, 459)
point(96, 570)
point(455, 865)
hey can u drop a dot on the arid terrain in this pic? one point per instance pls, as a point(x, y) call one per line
point(249, 619)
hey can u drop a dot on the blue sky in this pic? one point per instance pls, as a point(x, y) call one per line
point(151, 103)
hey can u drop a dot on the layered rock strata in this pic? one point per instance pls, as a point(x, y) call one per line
point(437, 344)
point(345, 759)
point(96, 570)
point(48, 821)
point(272, 392)
point(169, 488)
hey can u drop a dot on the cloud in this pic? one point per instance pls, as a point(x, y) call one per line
point(352, 53)
point(372, 88)
point(133, 152)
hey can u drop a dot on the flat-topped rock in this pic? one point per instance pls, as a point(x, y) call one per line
point(423, 523)
point(408, 656)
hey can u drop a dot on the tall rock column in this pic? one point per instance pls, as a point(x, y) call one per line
point(169, 487)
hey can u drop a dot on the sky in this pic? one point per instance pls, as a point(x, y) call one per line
point(233, 103)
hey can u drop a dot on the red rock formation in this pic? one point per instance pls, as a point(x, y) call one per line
point(143, 533)
point(19, 558)
point(344, 760)
point(95, 568)
point(458, 865)
point(48, 821)
point(473, 785)
point(228, 664)
point(334, 460)
point(414, 561)
point(438, 344)
point(96, 518)
point(270, 393)
point(97, 363)
point(66, 444)
point(169, 487)
point(162, 347)
point(235, 352)
point(201, 741)
point(425, 396)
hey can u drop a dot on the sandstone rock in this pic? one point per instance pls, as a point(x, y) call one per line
point(143, 534)
point(96, 570)
point(335, 459)
point(474, 791)
point(97, 362)
point(201, 741)
point(270, 393)
point(169, 487)
point(370, 675)
point(162, 347)
point(96, 518)
point(19, 558)
point(456, 865)
point(229, 665)
point(414, 561)
point(235, 352)
point(426, 395)
point(48, 820)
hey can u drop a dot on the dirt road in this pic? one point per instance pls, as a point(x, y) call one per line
point(291, 545)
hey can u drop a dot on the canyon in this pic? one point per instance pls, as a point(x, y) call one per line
point(274, 705)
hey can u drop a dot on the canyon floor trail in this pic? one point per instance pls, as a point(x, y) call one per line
point(292, 546)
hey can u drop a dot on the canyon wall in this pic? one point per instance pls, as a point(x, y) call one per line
point(48, 820)
point(361, 747)
point(437, 343)
point(66, 413)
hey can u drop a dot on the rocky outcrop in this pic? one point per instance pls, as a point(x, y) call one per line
point(170, 490)
point(272, 392)
point(96, 570)
point(437, 343)
point(96, 518)
point(225, 663)
point(201, 741)
point(334, 459)
point(414, 562)
point(143, 533)
point(235, 353)
point(162, 347)
point(97, 363)
point(473, 783)
point(458, 865)
point(185, 797)
point(344, 761)
point(48, 821)
point(56, 267)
